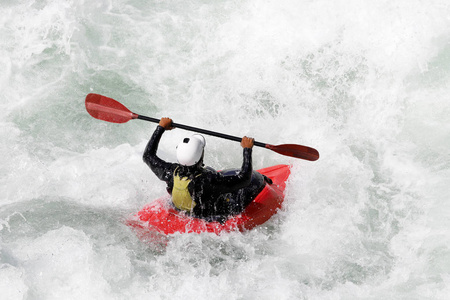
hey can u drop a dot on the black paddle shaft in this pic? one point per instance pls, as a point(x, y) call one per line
point(200, 130)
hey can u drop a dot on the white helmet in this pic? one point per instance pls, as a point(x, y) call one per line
point(190, 150)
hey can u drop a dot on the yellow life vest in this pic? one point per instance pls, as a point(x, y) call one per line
point(181, 197)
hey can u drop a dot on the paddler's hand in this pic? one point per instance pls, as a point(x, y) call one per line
point(247, 142)
point(166, 123)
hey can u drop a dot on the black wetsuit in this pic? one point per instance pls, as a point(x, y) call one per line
point(216, 194)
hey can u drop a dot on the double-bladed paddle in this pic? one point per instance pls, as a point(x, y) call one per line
point(110, 110)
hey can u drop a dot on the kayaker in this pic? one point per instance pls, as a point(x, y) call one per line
point(198, 190)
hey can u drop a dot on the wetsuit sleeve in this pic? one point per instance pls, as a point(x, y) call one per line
point(163, 170)
point(226, 184)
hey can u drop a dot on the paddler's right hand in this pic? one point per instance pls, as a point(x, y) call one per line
point(166, 123)
point(247, 142)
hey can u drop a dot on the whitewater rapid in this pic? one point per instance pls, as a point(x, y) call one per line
point(367, 83)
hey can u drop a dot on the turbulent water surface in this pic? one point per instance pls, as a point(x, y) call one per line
point(367, 83)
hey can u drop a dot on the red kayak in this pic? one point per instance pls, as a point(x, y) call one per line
point(160, 217)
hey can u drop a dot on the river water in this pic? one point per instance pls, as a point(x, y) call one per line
point(367, 83)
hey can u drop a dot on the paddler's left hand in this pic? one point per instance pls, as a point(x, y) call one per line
point(166, 123)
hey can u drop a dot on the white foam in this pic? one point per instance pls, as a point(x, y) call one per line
point(364, 83)
point(60, 262)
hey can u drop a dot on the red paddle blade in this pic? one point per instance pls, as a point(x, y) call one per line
point(107, 109)
point(294, 150)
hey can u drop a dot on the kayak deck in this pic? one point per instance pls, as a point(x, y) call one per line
point(161, 217)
